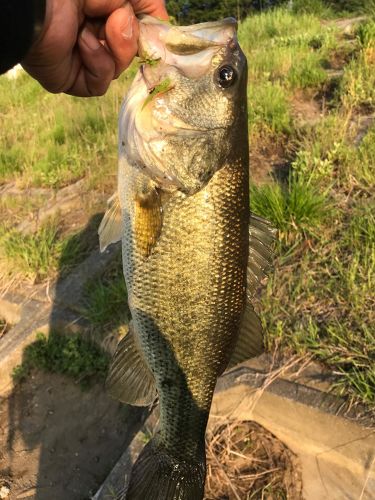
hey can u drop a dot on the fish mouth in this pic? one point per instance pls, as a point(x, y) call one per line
point(188, 48)
point(162, 119)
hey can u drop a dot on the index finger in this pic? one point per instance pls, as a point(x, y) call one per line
point(154, 8)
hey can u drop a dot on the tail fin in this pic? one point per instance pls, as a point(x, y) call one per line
point(158, 476)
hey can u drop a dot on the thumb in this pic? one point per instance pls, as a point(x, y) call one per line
point(154, 8)
point(122, 33)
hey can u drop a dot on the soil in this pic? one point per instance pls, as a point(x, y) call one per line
point(246, 461)
point(268, 159)
point(306, 108)
point(58, 442)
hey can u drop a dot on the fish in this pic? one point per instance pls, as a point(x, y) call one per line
point(193, 254)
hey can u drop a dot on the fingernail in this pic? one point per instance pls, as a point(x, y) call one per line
point(127, 27)
point(90, 39)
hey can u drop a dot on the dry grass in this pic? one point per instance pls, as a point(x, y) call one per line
point(245, 461)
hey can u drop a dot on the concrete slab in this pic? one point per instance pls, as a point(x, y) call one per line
point(335, 445)
point(59, 310)
point(336, 453)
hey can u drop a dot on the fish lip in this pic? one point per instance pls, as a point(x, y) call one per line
point(174, 41)
point(227, 21)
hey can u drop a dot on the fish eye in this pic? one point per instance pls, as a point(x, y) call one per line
point(226, 76)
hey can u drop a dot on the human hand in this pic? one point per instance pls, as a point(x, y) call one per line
point(85, 44)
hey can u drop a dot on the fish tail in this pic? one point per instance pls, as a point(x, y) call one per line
point(157, 475)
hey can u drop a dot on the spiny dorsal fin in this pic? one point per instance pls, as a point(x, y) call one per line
point(261, 238)
point(129, 379)
point(110, 229)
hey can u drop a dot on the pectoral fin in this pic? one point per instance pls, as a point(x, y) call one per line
point(147, 221)
point(111, 227)
point(129, 379)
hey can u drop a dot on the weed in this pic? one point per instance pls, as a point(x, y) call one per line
point(317, 7)
point(296, 209)
point(53, 140)
point(268, 108)
point(366, 34)
point(306, 71)
point(358, 83)
point(70, 355)
point(11, 161)
point(42, 254)
point(279, 23)
point(106, 298)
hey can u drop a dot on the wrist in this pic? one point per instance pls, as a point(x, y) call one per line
point(40, 11)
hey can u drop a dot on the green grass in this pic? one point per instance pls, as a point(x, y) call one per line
point(320, 299)
point(53, 140)
point(297, 209)
point(106, 298)
point(286, 53)
point(43, 254)
point(358, 84)
point(269, 108)
point(69, 355)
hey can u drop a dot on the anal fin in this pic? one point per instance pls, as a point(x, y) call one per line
point(129, 379)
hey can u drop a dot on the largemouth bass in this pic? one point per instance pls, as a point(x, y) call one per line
point(182, 212)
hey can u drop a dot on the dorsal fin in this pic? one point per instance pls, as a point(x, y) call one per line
point(261, 238)
point(111, 228)
point(250, 338)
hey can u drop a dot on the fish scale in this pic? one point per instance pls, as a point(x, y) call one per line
point(183, 215)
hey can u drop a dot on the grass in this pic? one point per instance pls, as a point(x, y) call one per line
point(53, 140)
point(296, 208)
point(44, 253)
point(69, 355)
point(357, 87)
point(106, 298)
point(286, 53)
point(320, 299)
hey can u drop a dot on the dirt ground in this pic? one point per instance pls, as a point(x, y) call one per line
point(58, 442)
point(245, 461)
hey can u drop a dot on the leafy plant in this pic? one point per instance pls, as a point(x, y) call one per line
point(70, 355)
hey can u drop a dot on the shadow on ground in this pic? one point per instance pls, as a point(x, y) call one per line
point(58, 441)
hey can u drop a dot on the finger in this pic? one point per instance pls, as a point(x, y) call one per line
point(97, 8)
point(154, 8)
point(122, 36)
point(97, 69)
